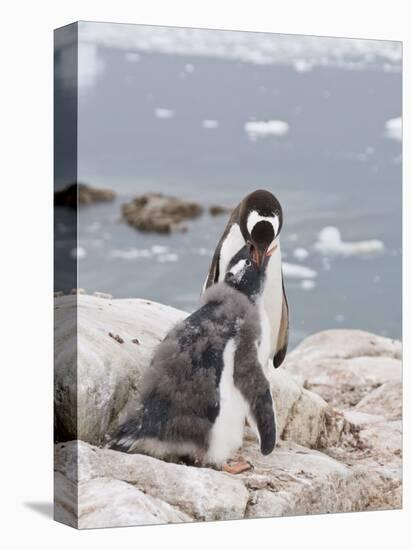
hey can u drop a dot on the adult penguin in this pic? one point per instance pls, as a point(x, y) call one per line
point(257, 221)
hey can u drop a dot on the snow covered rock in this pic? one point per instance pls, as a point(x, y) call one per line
point(338, 404)
point(187, 492)
point(115, 341)
point(343, 366)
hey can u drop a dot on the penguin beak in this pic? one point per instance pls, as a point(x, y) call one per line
point(259, 256)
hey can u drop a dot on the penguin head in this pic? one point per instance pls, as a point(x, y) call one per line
point(244, 275)
point(261, 220)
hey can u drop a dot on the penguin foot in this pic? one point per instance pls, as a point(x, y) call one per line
point(237, 467)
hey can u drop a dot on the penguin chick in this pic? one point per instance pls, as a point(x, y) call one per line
point(206, 377)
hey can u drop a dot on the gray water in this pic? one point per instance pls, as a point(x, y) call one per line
point(334, 167)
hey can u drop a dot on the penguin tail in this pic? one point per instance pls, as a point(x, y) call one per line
point(127, 435)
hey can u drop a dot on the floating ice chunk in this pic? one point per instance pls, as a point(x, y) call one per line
point(300, 253)
point(330, 242)
point(393, 128)
point(158, 249)
point(307, 284)
point(189, 68)
point(160, 112)
point(168, 258)
point(252, 47)
point(132, 57)
point(78, 253)
point(204, 251)
point(339, 318)
point(131, 253)
point(210, 124)
point(295, 271)
point(259, 129)
point(302, 65)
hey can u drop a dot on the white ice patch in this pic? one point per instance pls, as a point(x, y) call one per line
point(168, 258)
point(308, 284)
point(131, 253)
point(159, 249)
point(163, 113)
point(330, 243)
point(260, 129)
point(294, 271)
point(89, 67)
point(210, 124)
point(189, 68)
point(393, 129)
point(78, 253)
point(254, 47)
point(300, 254)
point(302, 65)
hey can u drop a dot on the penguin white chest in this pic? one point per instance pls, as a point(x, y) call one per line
point(273, 296)
point(227, 432)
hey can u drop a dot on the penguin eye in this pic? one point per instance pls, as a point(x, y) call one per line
point(248, 263)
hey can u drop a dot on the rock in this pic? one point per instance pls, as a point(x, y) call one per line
point(80, 194)
point(105, 502)
point(343, 366)
point(294, 480)
point(340, 435)
point(103, 295)
point(217, 210)
point(108, 373)
point(65, 500)
point(385, 400)
point(159, 213)
point(201, 493)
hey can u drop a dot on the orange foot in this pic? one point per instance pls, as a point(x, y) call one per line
point(237, 467)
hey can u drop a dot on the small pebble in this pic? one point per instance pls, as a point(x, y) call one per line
point(116, 337)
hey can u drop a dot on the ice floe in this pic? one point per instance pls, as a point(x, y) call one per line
point(210, 124)
point(259, 129)
point(159, 249)
point(393, 128)
point(330, 242)
point(161, 112)
point(172, 257)
point(295, 271)
point(302, 65)
point(308, 284)
point(300, 254)
point(131, 253)
point(297, 51)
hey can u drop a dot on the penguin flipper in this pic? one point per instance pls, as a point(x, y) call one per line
point(264, 417)
point(283, 335)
